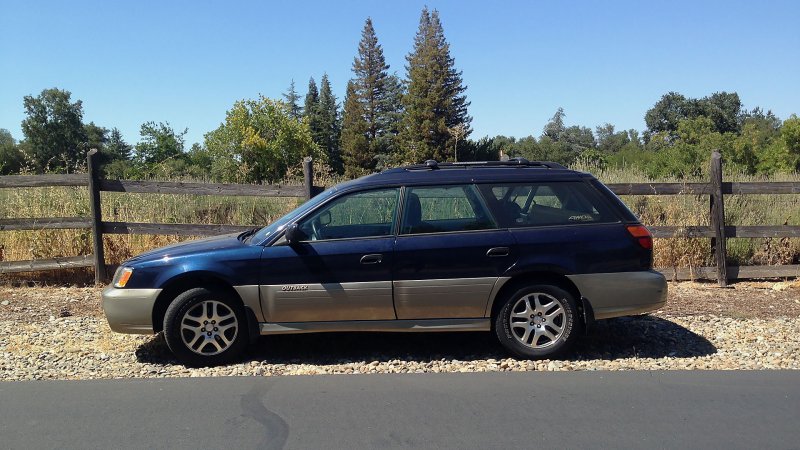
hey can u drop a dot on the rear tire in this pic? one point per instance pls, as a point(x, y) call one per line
point(537, 321)
point(205, 327)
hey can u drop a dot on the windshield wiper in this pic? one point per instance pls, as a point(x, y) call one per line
point(247, 234)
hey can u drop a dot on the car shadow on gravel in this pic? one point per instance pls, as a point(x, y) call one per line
point(626, 337)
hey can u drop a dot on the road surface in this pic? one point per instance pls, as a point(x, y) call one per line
point(487, 410)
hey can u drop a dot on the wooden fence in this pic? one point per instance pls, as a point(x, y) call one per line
point(716, 189)
point(99, 227)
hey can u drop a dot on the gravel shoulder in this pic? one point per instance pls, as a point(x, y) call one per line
point(61, 333)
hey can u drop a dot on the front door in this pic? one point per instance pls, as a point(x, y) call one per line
point(449, 254)
point(342, 270)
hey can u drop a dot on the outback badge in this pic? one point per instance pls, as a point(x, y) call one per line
point(295, 287)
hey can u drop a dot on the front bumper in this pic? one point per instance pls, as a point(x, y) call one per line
point(130, 310)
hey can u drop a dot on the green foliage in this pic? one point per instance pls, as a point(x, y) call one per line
point(11, 157)
point(631, 155)
point(311, 110)
point(435, 102)
point(724, 109)
point(123, 170)
point(609, 141)
point(54, 133)
point(782, 154)
point(484, 149)
point(330, 125)
point(116, 148)
point(371, 122)
point(790, 133)
point(355, 146)
point(96, 137)
point(594, 158)
point(258, 142)
point(159, 143)
point(292, 99)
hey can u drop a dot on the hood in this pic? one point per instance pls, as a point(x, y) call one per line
point(190, 247)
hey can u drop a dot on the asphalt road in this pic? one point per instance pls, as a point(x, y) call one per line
point(494, 410)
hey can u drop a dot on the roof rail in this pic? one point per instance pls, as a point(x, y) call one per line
point(514, 162)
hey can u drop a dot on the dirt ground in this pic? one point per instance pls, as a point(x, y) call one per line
point(745, 299)
point(761, 299)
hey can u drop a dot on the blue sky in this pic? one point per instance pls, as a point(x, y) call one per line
point(186, 62)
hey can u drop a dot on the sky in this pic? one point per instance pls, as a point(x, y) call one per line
point(187, 62)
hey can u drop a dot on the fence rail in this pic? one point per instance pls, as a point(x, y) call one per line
point(45, 223)
point(728, 188)
point(171, 187)
point(715, 189)
point(178, 229)
point(72, 179)
point(35, 265)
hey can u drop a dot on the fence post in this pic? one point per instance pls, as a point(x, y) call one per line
point(308, 177)
point(718, 244)
point(97, 217)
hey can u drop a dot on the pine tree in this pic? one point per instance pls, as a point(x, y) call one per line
point(292, 98)
point(117, 148)
point(330, 125)
point(435, 103)
point(312, 113)
point(355, 147)
point(378, 96)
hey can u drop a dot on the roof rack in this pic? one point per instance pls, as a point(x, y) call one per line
point(513, 162)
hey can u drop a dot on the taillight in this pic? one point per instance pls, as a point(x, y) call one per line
point(642, 235)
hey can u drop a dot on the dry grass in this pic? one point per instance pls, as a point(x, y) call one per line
point(676, 210)
point(693, 210)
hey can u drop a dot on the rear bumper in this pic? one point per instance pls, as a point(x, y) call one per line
point(130, 310)
point(622, 293)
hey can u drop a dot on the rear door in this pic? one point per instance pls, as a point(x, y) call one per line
point(448, 255)
point(342, 270)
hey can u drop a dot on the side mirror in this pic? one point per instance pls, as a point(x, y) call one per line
point(293, 234)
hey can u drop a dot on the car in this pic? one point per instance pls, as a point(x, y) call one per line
point(531, 251)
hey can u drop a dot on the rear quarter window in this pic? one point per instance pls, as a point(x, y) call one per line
point(547, 203)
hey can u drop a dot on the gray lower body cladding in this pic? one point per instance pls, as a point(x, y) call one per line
point(130, 310)
point(622, 293)
point(430, 305)
point(408, 326)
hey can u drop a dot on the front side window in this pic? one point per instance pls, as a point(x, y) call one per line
point(442, 209)
point(540, 204)
point(356, 215)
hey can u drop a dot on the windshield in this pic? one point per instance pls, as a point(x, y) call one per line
point(278, 226)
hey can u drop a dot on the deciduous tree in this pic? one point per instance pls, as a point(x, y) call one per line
point(258, 142)
point(54, 132)
point(159, 143)
point(11, 158)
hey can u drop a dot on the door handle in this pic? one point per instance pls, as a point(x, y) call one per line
point(374, 258)
point(498, 251)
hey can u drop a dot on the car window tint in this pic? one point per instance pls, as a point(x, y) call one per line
point(539, 204)
point(444, 209)
point(357, 215)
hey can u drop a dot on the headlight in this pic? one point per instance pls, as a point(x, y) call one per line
point(122, 276)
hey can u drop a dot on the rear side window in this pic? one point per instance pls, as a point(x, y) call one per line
point(443, 209)
point(541, 204)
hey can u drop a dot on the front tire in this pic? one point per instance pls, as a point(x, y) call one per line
point(205, 327)
point(537, 321)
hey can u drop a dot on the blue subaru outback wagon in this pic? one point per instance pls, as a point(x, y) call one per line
point(529, 250)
